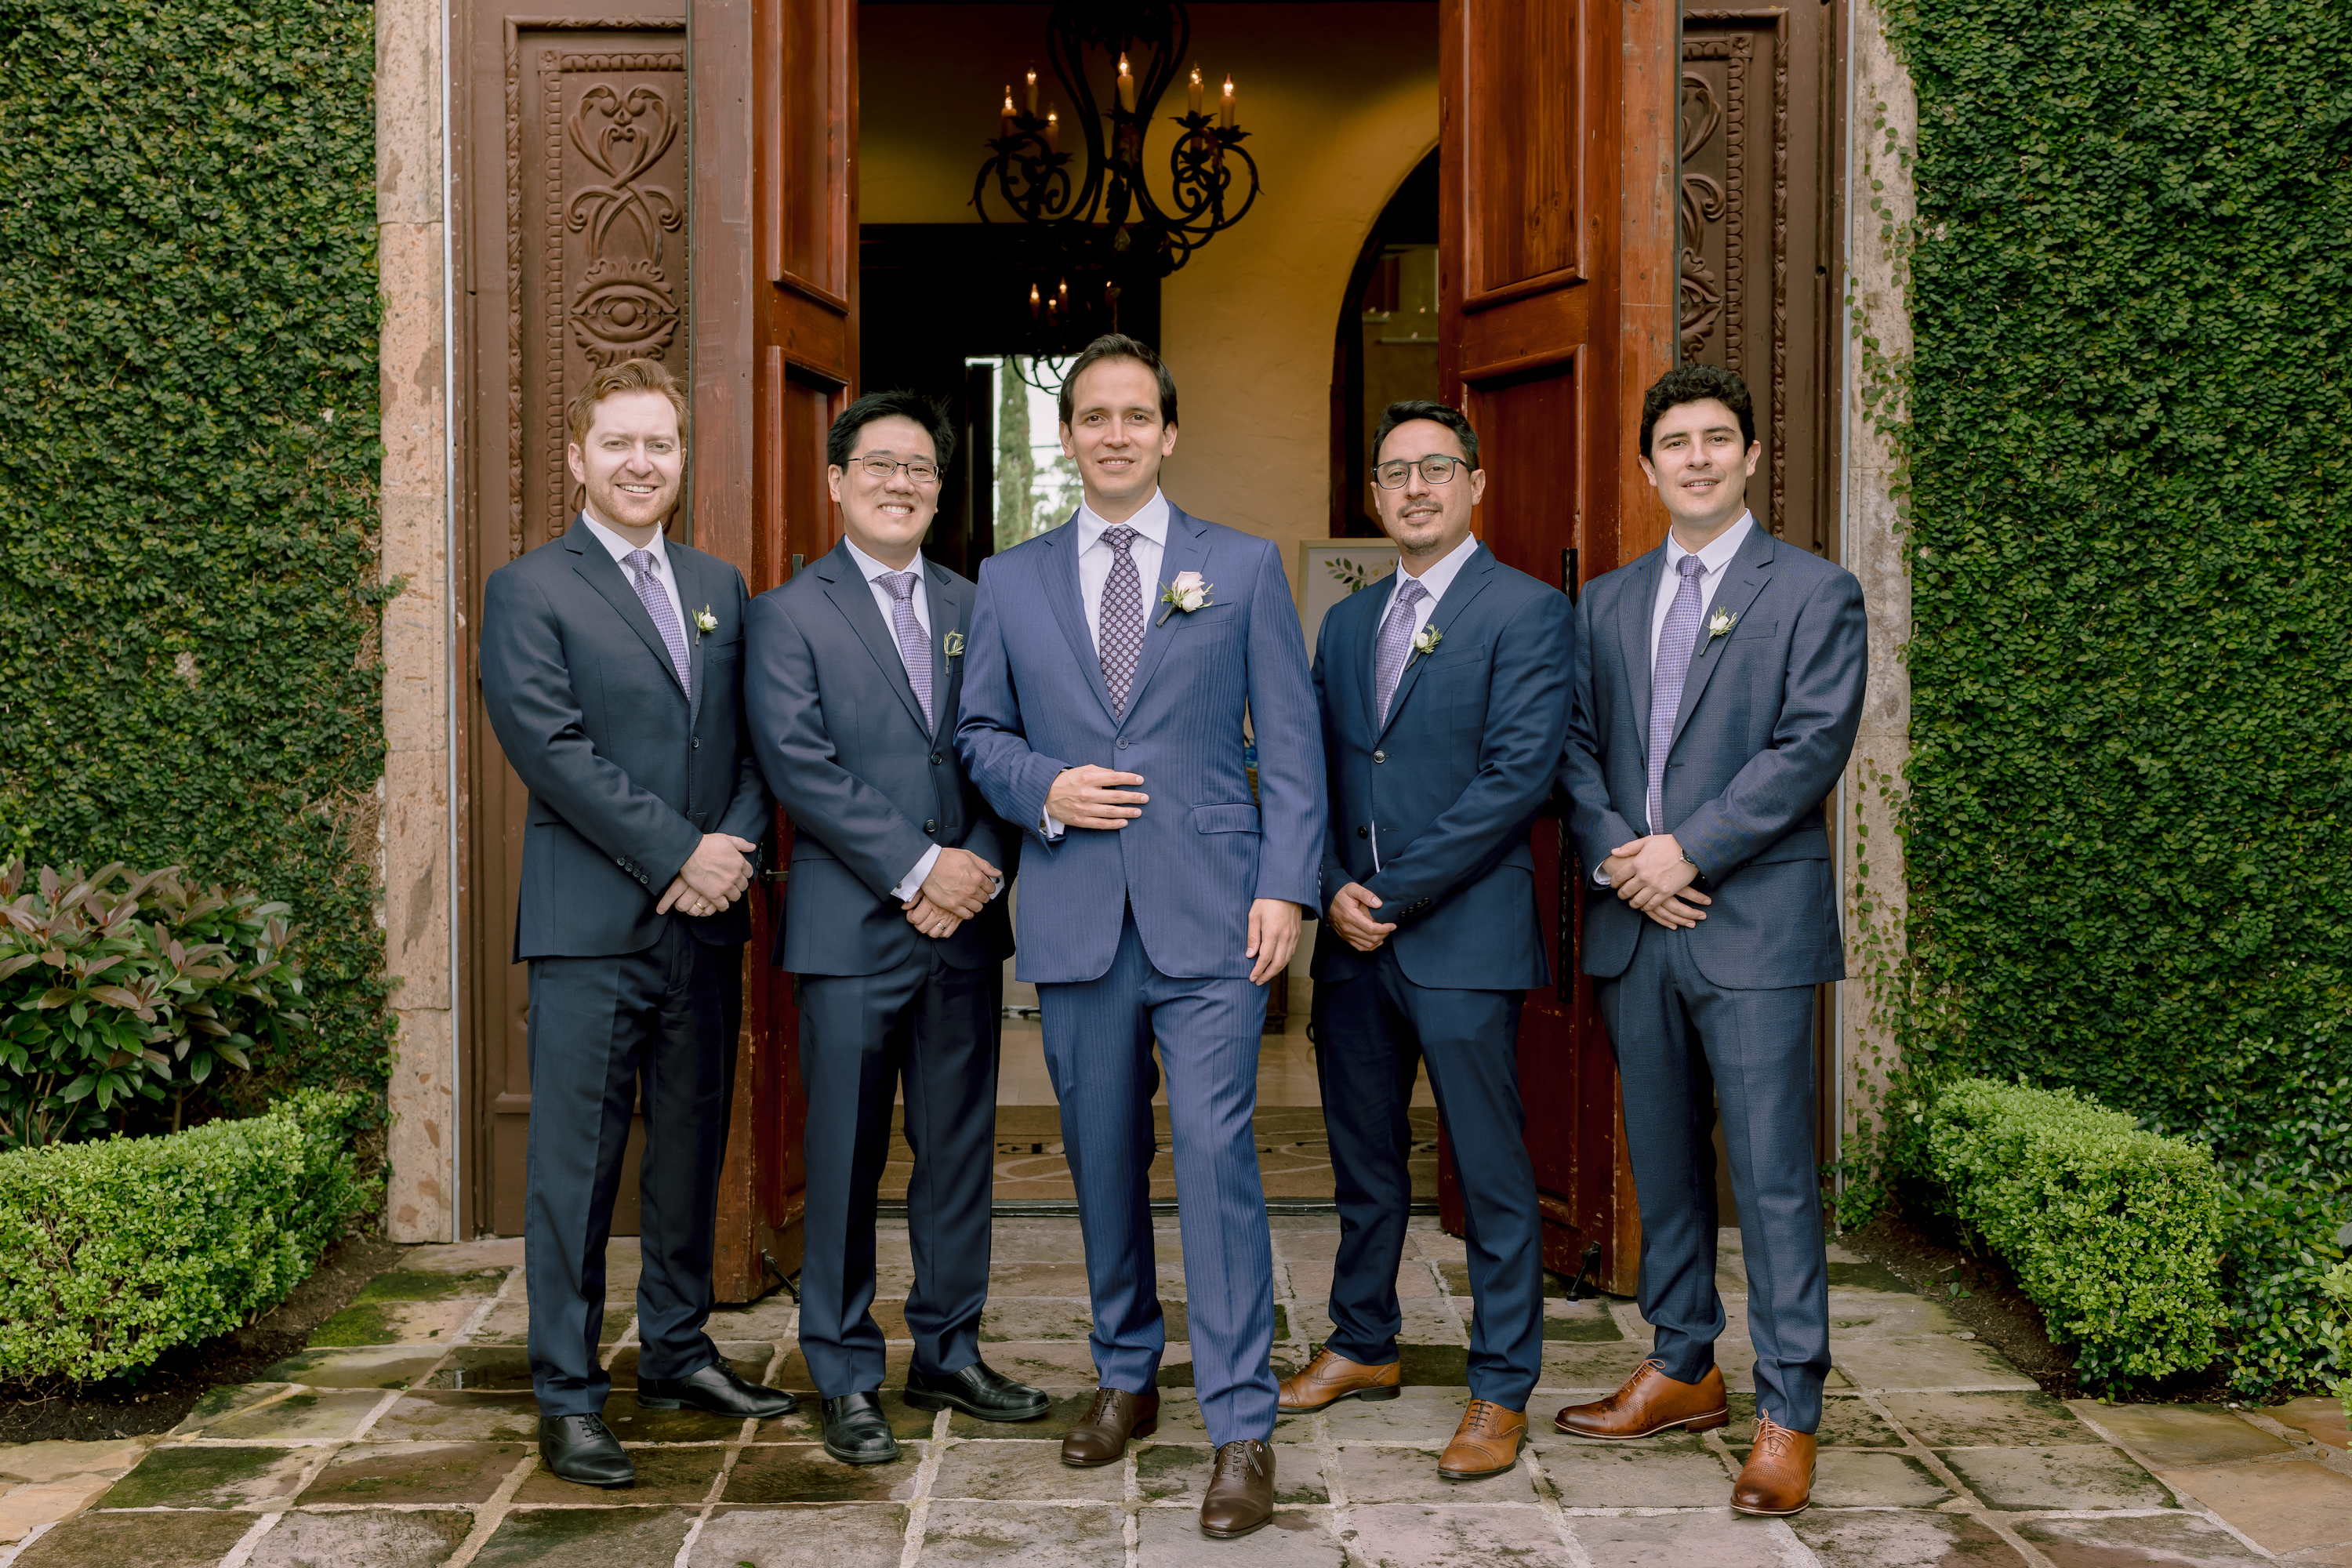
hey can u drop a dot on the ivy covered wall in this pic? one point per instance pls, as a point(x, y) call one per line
point(188, 596)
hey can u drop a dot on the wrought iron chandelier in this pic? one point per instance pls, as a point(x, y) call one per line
point(1097, 220)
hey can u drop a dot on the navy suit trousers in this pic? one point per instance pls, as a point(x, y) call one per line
point(936, 1026)
point(1673, 1032)
point(1099, 1040)
point(665, 1018)
point(1372, 1032)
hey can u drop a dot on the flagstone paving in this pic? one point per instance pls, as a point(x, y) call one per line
point(405, 1439)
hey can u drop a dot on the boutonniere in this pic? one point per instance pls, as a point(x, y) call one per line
point(1187, 593)
point(1720, 625)
point(955, 644)
point(704, 621)
point(1425, 641)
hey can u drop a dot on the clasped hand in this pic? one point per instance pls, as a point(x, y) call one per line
point(713, 877)
point(960, 885)
point(1089, 796)
point(1351, 917)
point(1652, 875)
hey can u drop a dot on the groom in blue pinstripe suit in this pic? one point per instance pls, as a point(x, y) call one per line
point(1103, 710)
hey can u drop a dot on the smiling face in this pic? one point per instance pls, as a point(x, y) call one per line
point(1700, 464)
point(1116, 436)
point(887, 518)
point(1426, 520)
point(631, 463)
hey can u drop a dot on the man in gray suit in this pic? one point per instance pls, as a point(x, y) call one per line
point(1715, 709)
point(893, 920)
point(611, 673)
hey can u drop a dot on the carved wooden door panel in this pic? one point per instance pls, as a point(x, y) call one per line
point(575, 188)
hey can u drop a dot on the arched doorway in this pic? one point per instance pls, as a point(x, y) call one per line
point(1386, 345)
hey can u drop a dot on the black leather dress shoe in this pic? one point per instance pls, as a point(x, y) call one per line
point(717, 1389)
point(856, 1432)
point(976, 1391)
point(582, 1449)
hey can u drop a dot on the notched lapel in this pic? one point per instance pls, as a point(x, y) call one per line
point(692, 595)
point(1750, 571)
point(854, 597)
point(601, 571)
point(1468, 584)
point(1060, 571)
point(1187, 550)
point(1633, 613)
point(950, 611)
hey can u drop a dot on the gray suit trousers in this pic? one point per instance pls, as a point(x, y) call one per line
point(1675, 1035)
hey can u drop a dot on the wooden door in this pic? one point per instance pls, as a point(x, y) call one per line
point(775, 351)
point(1556, 285)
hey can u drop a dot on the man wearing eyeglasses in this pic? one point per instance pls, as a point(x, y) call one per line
point(1445, 695)
point(893, 923)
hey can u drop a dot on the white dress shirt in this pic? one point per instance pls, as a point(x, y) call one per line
point(1434, 582)
point(621, 547)
point(1151, 525)
point(874, 571)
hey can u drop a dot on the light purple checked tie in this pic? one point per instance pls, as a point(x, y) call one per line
point(640, 563)
point(1396, 642)
point(1674, 640)
point(914, 648)
point(1119, 636)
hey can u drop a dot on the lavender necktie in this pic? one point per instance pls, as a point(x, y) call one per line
point(1118, 637)
point(650, 592)
point(1396, 641)
point(1674, 640)
point(913, 645)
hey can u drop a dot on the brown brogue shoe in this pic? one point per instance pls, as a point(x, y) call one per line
point(1331, 1377)
point(1240, 1496)
point(1485, 1444)
point(1650, 1403)
point(1116, 1416)
point(1779, 1476)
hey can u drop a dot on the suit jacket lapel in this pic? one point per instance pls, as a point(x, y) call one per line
point(1061, 571)
point(1466, 586)
point(597, 566)
point(949, 612)
point(691, 595)
point(1187, 549)
point(1742, 581)
point(854, 597)
point(1634, 617)
point(1365, 647)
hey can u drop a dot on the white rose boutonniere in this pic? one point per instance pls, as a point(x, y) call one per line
point(1187, 593)
point(704, 621)
point(954, 643)
point(1720, 625)
point(1425, 641)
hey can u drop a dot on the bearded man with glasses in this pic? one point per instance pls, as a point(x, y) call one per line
point(893, 921)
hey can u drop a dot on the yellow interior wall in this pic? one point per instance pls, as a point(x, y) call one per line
point(1340, 101)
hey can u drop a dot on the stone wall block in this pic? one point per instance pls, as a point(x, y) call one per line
point(419, 1150)
point(410, 349)
point(416, 877)
point(409, 112)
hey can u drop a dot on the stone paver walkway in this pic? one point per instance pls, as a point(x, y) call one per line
point(404, 1440)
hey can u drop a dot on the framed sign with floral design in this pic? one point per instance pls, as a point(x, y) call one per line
point(1331, 569)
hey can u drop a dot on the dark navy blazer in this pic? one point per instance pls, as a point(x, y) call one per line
point(625, 774)
point(842, 741)
point(1453, 780)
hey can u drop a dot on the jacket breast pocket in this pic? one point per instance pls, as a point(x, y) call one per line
point(1239, 817)
point(1754, 631)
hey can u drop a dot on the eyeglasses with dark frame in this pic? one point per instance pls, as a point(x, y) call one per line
point(922, 470)
point(1436, 470)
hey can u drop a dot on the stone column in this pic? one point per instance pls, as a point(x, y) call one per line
point(1883, 136)
point(411, 248)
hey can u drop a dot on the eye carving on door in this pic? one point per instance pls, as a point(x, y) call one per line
point(625, 307)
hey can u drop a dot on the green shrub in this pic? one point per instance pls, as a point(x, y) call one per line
point(113, 986)
point(2113, 1231)
point(112, 1253)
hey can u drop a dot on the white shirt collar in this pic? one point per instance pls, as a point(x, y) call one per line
point(1150, 520)
point(1719, 553)
point(1440, 577)
point(869, 568)
point(620, 547)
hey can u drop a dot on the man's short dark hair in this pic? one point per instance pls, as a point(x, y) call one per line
point(1119, 345)
point(1696, 383)
point(924, 411)
point(1405, 412)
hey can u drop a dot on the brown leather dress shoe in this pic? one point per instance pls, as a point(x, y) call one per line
point(1485, 1444)
point(1114, 1417)
point(1779, 1476)
point(1650, 1403)
point(1331, 1377)
point(1240, 1496)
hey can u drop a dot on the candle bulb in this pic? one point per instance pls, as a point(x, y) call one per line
point(1226, 115)
point(1192, 92)
point(1005, 118)
point(1037, 304)
point(1033, 91)
point(1126, 86)
point(1053, 132)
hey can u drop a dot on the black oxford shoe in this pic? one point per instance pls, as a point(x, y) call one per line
point(857, 1433)
point(977, 1391)
point(582, 1449)
point(717, 1389)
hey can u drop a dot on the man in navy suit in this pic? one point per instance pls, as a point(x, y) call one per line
point(1445, 697)
point(892, 920)
point(1717, 706)
point(1113, 661)
point(611, 673)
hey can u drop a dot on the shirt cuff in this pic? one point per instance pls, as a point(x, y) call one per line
point(1601, 879)
point(912, 882)
point(1047, 828)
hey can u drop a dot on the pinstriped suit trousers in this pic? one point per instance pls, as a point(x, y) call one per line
point(1098, 1038)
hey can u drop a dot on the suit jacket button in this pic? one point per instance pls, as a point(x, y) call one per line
point(1122, 743)
point(1379, 756)
point(698, 742)
point(931, 827)
point(936, 758)
point(1363, 833)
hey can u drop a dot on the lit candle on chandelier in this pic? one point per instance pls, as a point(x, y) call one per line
point(1192, 92)
point(1126, 86)
point(1033, 91)
point(1037, 304)
point(1053, 132)
point(1006, 119)
point(1062, 299)
point(1225, 112)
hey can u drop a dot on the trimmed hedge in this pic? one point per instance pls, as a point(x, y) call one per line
point(2114, 1232)
point(112, 1253)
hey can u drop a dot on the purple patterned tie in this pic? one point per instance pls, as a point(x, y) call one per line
point(1674, 640)
point(1396, 641)
point(1118, 637)
point(640, 563)
point(913, 645)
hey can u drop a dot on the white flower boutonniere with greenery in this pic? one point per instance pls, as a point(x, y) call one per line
point(1187, 593)
point(1720, 625)
point(1425, 641)
point(704, 621)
